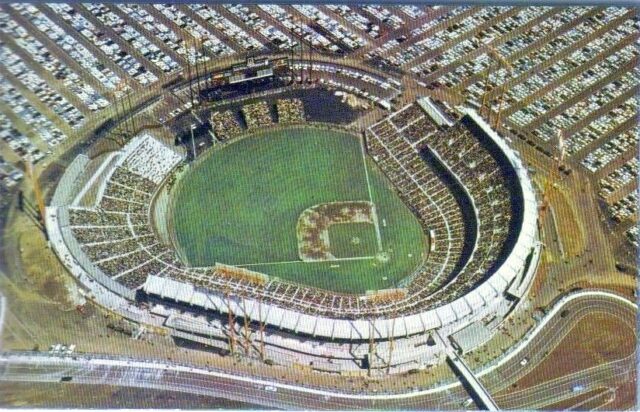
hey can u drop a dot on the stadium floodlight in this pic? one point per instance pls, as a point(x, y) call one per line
point(193, 140)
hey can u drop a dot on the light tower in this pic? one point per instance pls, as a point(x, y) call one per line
point(230, 323)
point(187, 52)
point(502, 62)
point(199, 49)
point(261, 328)
point(372, 344)
point(391, 337)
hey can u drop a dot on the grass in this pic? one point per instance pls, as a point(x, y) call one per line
point(239, 205)
point(349, 240)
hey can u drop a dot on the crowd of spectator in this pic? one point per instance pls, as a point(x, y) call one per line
point(257, 115)
point(225, 125)
point(474, 167)
point(117, 236)
point(290, 111)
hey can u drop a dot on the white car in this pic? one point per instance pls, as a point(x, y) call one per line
point(271, 389)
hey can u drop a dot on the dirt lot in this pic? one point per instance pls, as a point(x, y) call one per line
point(616, 399)
point(584, 401)
point(46, 395)
point(595, 339)
point(625, 397)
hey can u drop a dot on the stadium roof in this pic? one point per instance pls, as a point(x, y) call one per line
point(471, 336)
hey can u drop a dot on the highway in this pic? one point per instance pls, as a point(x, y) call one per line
point(555, 328)
point(123, 371)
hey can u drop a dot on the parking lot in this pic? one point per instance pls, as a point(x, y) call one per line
point(550, 72)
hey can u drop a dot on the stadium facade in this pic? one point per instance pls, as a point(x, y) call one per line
point(469, 190)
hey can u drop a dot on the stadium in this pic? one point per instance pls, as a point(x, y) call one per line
point(297, 241)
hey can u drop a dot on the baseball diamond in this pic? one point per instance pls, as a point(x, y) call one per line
point(255, 220)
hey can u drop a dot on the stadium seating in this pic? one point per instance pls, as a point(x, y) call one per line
point(463, 249)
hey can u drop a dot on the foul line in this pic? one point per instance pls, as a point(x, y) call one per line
point(307, 261)
point(373, 209)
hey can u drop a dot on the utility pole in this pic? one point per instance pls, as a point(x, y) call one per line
point(129, 111)
point(563, 149)
point(486, 86)
point(301, 59)
point(230, 323)
point(502, 62)
point(310, 77)
point(292, 55)
point(193, 140)
point(548, 183)
point(391, 337)
point(504, 90)
point(262, 326)
point(246, 326)
point(198, 50)
point(121, 113)
point(189, 77)
point(372, 342)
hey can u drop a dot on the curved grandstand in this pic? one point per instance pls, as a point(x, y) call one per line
point(468, 189)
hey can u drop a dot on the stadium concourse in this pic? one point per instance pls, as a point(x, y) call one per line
point(469, 190)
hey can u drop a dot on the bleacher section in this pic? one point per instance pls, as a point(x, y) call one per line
point(116, 237)
point(148, 158)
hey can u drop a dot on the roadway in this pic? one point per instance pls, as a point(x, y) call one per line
point(553, 332)
point(122, 371)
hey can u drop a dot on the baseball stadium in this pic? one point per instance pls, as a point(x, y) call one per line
point(280, 234)
point(319, 206)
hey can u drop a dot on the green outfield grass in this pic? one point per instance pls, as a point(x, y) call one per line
point(239, 205)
